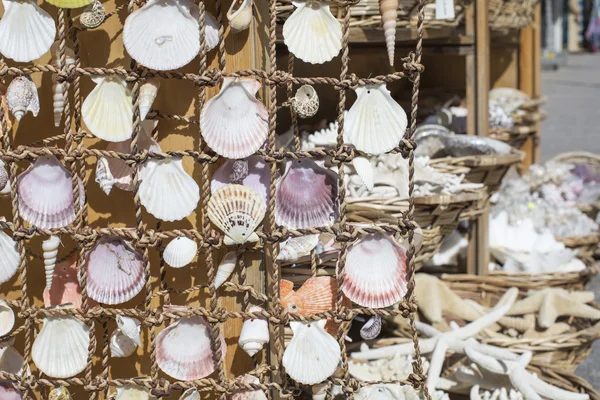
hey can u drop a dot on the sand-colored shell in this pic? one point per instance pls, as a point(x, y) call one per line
point(58, 98)
point(384, 282)
point(60, 349)
point(148, 92)
point(59, 393)
point(180, 252)
point(255, 333)
point(312, 33)
point(239, 15)
point(50, 252)
point(163, 35)
point(115, 272)
point(108, 111)
point(104, 177)
point(168, 192)
point(184, 349)
point(9, 257)
point(257, 178)
point(306, 102)
point(236, 210)
point(7, 318)
point(190, 394)
point(234, 123)
point(250, 394)
point(22, 96)
point(46, 194)
point(132, 392)
point(389, 14)
point(26, 30)
point(225, 269)
point(375, 124)
point(306, 196)
point(93, 15)
point(10, 359)
point(312, 355)
point(296, 247)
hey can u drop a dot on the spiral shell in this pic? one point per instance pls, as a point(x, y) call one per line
point(22, 96)
point(93, 15)
point(306, 102)
point(104, 177)
point(389, 14)
point(58, 88)
point(50, 247)
point(225, 269)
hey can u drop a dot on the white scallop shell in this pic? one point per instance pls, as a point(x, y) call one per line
point(130, 327)
point(255, 334)
point(190, 394)
point(296, 247)
point(60, 349)
point(104, 177)
point(168, 192)
point(375, 124)
point(46, 194)
point(131, 392)
point(26, 31)
point(10, 359)
point(240, 15)
point(3, 177)
point(163, 35)
point(225, 269)
point(121, 345)
point(234, 123)
point(305, 102)
point(384, 282)
point(9, 257)
point(180, 252)
point(312, 355)
point(364, 169)
point(237, 211)
point(7, 318)
point(148, 92)
point(252, 394)
point(50, 250)
point(108, 111)
point(22, 96)
point(312, 33)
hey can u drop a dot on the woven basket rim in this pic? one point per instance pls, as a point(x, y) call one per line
point(487, 160)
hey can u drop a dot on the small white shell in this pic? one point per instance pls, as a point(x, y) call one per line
point(312, 33)
point(240, 15)
point(58, 99)
point(104, 177)
point(60, 350)
point(59, 393)
point(168, 192)
point(22, 96)
point(9, 257)
point(7, 318)
point(180, 252)
point(312, 355)
point(375, 123)
point(296, 247)
point(225, 269)
point(130, 392)
point(306, 102)
point(190, 394)
point(148, 92)
point(130, 328)
point(93, 15)
point(364, 169)
point(255, 334)
point(107, 111)
point(50, 249)
point(121, 345)
point(10, 359)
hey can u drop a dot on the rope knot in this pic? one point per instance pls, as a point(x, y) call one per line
point(162, 388)
point(3, 69)
point(415, 380)
point(344, 154)
point(348, 235)
point(279, 77)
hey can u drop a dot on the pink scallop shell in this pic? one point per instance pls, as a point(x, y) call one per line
point(8, 391)
point(115, 274)
point(46, 194)
point(375, 272)
point(306, 196)
point(184, 349)
point(258, 179)
point(65, 285)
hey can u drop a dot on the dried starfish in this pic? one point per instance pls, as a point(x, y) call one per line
point(552, 303)
point(435, 297)
point(498, 394)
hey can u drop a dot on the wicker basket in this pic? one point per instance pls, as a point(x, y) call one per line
point(586, 245)
point(526, 122)
point(511, 14)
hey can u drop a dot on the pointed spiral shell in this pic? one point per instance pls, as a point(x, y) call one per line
point(389, 13)
point(50, 248)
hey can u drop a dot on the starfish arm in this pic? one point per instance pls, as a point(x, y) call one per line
point(528, 305)
point(474, 395)
point(521, 382)
point(494, 351)
point(473, 328)
point(435, 365)
point(551, 392)
point(487, 362)
point(426, 345)
point(426, 329)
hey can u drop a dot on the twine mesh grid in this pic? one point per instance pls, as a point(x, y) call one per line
point(95, 379)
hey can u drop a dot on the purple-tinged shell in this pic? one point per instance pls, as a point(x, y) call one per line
point(258, 176)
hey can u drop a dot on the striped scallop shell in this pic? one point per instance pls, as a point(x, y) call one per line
point(9, 257)
point(180, 252)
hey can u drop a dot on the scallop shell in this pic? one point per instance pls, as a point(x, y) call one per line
point(115, 273)
point(237, 211)
point(312, 33)
point(132, 392)
point(375, 124)
point(22, 96)
point(58, 98)
point(184, 349)
point(364, 169)
point(46, 194)
point(108, 111)
point(296, 247)
point(104, 178)
point(60, 350)
point(383, 283)
point(59, 393)
point(239, 15)
point(312, 355)
point(120, 345)
point(70, 3)
point(93, 15)
point(7, 318)
point(168, 192)
point(306, 102)
point(10, 359)
point(148, 92)
point(389, 14)
point(9, 392)
point(316, 295)
point(234, 123)
point(180, 252)
point(9, 257)
point(3, 176)
point(258, 177)
point(50, 249)
point(372, 328)
point(163, 35)
point(251, 394)
point(255, 333)
point(225, 269)
point(190, 394)
point(306, 196)
point(26, 31)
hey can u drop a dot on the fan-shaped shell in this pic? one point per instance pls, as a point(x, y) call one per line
point(120, 345)
point(10, 359)
point(60, 350)
point(163, 35)
point(255, 333)
point(180, 252)
point(107, 111)
point(3, 176)
point(7, 318)
point(306, 196)
point(375, 273)
point(306, 102)
point(375, 123)
point(239, 15)
point(316, 295)
point(184, 349)
point(9, 257)
point(234, 123)
point(296, 247)
point(9, 392)
point(132, 392)
point(115, 273)
point(257, 179)
point(168, 192)
point(225, 269)
point(46, 194)
point(312, 33)
point(237, 211)
point(26, 31)
point(70, 3)
point(251, 394)
point(22, 96)
point(312, 355)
